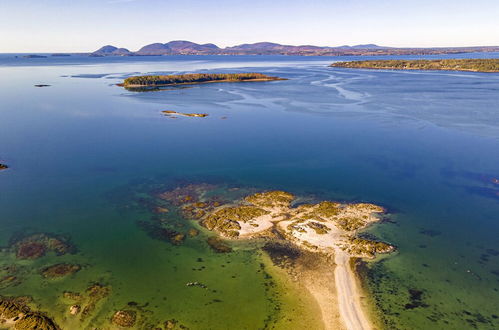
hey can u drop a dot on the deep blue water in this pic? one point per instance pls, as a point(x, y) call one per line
point(423, 144)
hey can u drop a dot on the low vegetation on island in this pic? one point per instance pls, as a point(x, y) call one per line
point(474, 65)
point(193, 78)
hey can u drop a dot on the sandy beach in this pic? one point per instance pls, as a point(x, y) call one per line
point(352, 314)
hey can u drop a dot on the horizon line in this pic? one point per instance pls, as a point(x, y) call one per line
point(251, 43)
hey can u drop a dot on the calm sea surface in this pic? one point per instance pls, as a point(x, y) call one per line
point(423, 144)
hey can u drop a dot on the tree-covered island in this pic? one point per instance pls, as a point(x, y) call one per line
point(474, 65)
point(193, 78)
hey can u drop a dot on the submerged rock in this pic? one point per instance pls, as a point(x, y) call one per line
point(9, 280)
point(158, 232)
point(59, 270)
point(37, 245)
point(193, 232)
point(31, 250)
point(218, 245)
point(93, 294)
point(160, 210)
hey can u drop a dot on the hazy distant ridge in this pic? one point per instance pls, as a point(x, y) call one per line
point(183, 47)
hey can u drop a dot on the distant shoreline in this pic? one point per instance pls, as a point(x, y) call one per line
point(466, 65)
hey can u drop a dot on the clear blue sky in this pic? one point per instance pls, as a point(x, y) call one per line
point(85, 25)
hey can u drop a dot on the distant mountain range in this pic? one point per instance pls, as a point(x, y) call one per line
point(182, 47)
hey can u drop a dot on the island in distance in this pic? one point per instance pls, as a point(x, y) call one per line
point(473, 65)
point(193, 78)
point(182, 47)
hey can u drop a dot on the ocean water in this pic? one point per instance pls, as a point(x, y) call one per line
point(423, 144)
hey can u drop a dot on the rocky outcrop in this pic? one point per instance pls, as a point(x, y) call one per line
point(14, 313)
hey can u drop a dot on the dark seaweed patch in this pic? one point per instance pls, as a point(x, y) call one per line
point(430, 232)
point(281, 253)
point(157, 232)
point(415, 297)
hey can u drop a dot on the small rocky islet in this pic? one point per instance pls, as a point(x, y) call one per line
point(3, 167)
point(173, 114)
point(320, 227)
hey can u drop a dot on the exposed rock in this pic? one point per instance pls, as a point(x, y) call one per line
point(198, 284)
point(124, 318)
point(368, 248)
point(173, 113)
point(74, 309)
point(271, 198)
point(18, 314)
point(318, 227)
point(3, 167)
point(171, 324)
point(323, 226)
point(225, 220)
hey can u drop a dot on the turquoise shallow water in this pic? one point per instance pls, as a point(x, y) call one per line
point(423, 144)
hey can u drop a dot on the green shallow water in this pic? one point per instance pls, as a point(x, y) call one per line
point(114, 251)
